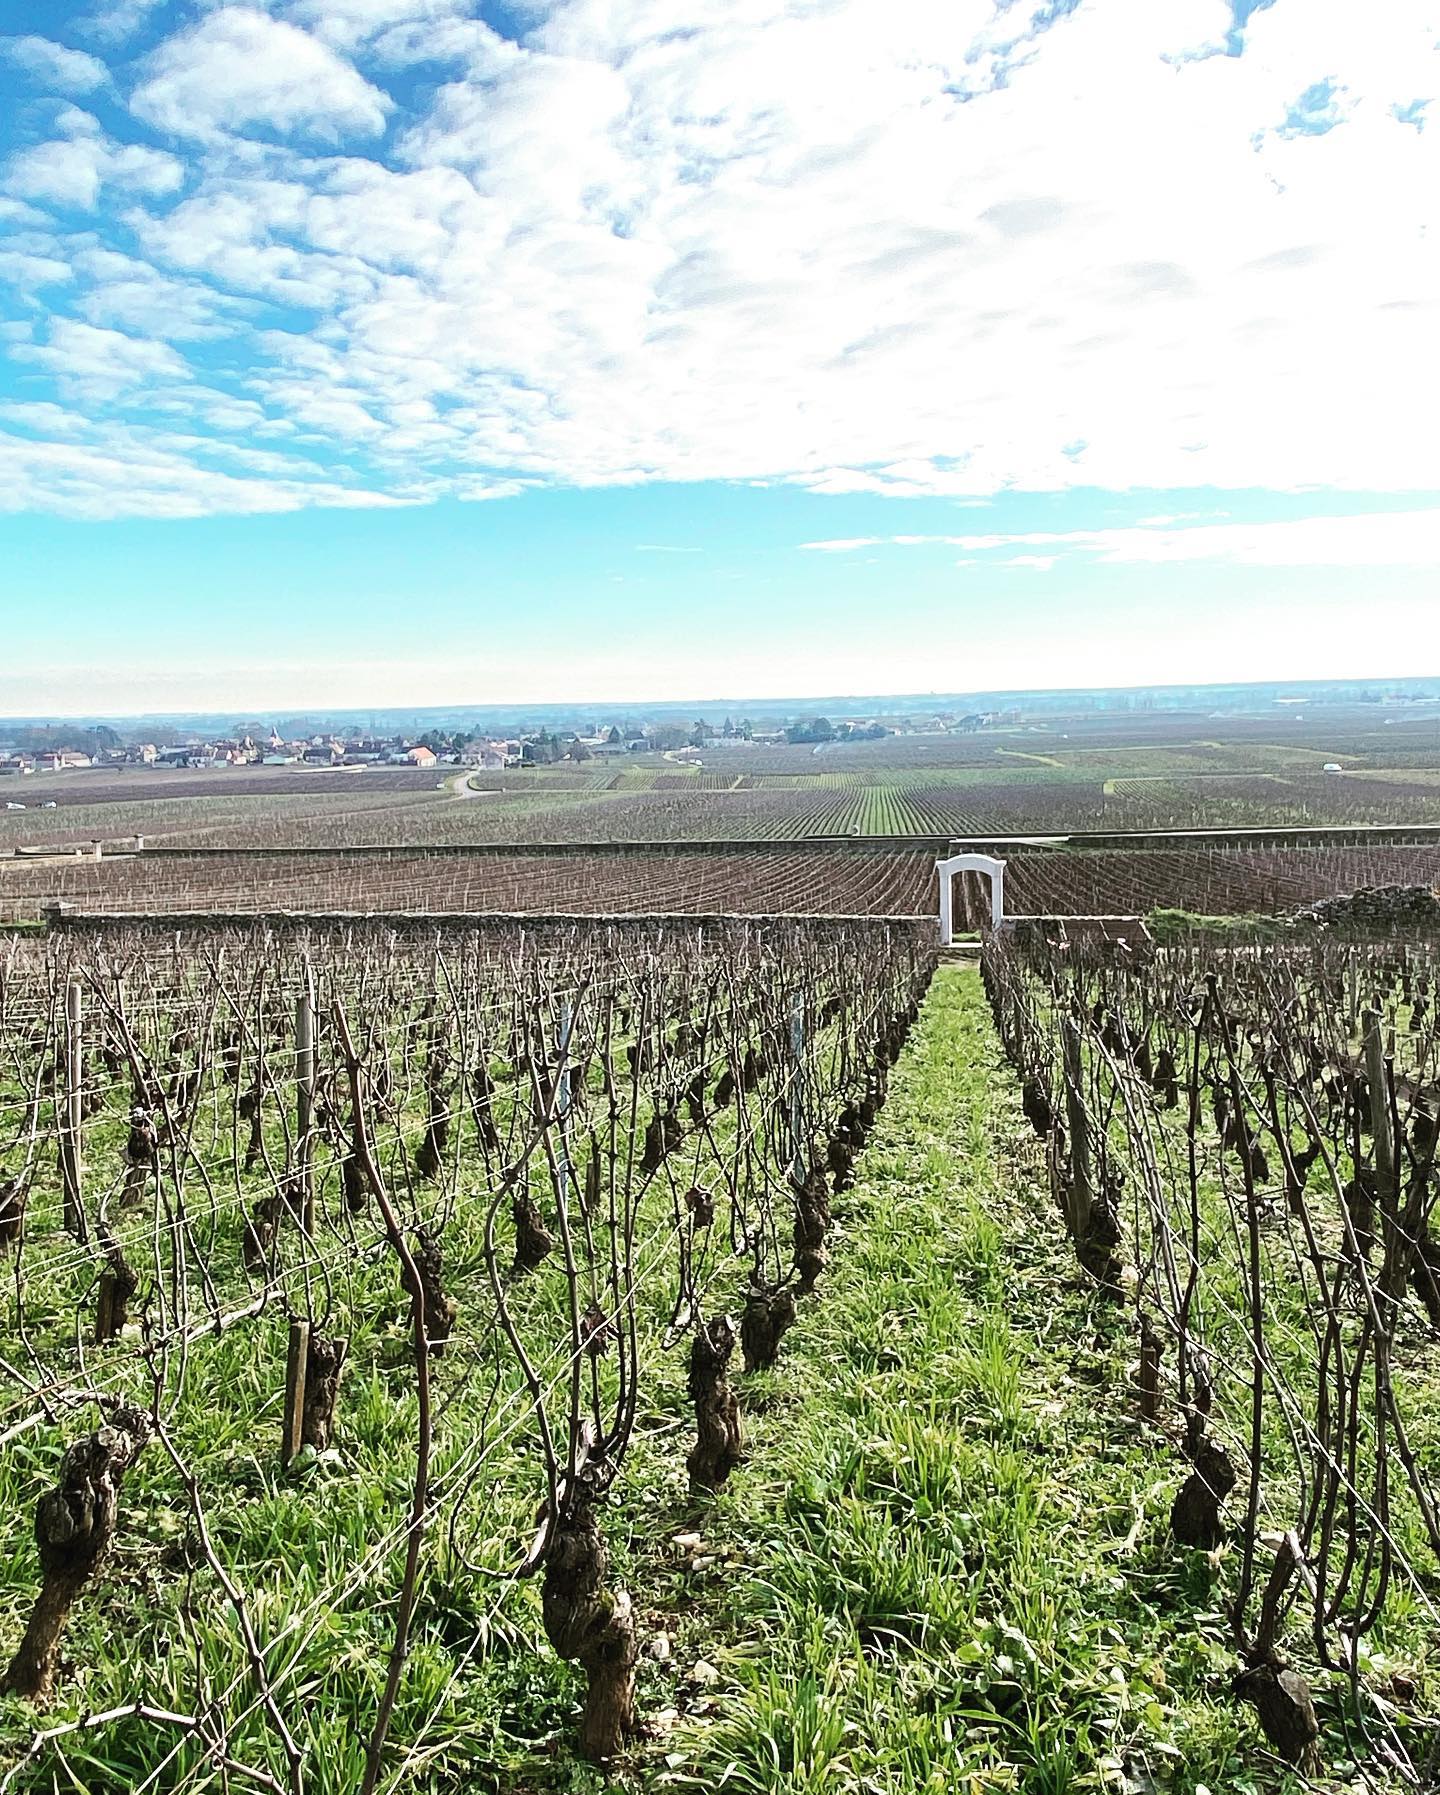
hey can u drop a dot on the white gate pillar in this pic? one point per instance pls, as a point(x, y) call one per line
point(993, 870)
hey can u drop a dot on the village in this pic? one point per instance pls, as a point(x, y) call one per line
point(459, 748)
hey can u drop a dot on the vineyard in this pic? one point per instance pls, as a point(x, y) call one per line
point(1217, 881)
point(392, 1313)
point(833, 882)
point(1091, 776)
point(347, 1279)
point(1234, 879)
point(1243, 1150)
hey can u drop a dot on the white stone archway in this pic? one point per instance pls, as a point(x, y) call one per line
point(994, 871)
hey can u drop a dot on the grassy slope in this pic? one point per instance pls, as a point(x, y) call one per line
point(943, 1565)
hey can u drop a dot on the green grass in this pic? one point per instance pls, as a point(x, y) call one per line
point(1171, 927)
point(302, 1544)
point(943, 1565)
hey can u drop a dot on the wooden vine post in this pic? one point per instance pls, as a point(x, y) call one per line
point(1382, 1133)
point(297, 1356)
point(1079, 1196)
point(562, 1096)
point(797, 1074)
point(305, 1101)
point(1377, 1076)
point(71, 1149)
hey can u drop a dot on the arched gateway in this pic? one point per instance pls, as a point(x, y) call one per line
point(994, 871)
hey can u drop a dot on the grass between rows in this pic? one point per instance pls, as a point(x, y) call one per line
point(944, 1563)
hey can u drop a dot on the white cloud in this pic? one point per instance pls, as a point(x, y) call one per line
point(71, 170)
point(1367, 539)
point(114, 21)
point(436, 25)
point(239, 68)
point(123, 291)
point(96, 364)
point(53, 67)
point(931, 249)
point(27, 270)
point(109, 471)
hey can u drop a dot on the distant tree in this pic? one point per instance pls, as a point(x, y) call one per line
point(811, 729)
point(577, 751)
point(51, 738)
point(614, 737)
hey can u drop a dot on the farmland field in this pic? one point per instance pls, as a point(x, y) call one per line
point(457, 1311)
point(1025, 802)
point(884, 883)
point(1210, 880)
point(1132, 772)
point(476, 1383)
point(223, 1193)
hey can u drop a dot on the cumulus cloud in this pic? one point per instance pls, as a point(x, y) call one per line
point(130, 294)
point(948, 248)
point(238, 68)
point(93, 363)
point(436, 27)
point(54, 68)
point(73, 168)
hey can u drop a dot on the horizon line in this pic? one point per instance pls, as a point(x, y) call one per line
point(730, 702)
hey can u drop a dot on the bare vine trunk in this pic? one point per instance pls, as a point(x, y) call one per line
point(717, 1414)
point(324, 1361)
point(74, 1529)
point(591, 1625)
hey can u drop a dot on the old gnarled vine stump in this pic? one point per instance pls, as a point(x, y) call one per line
point(717, 1413)
point(589, 1624)
point(74, 1529)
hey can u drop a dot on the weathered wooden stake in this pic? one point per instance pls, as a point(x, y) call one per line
point(1149, 1377)
point(293, 1425)
point(1377, 1076)
point(562, 1097)
point(1081, 1195)
point(105, 1309)
point(305, 1102)
point(71, 1153)
point(797, 1062)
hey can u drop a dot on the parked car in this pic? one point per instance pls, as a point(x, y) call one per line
point(49, 804)
point(12, 805)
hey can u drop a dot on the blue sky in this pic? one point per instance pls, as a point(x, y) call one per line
point(418, 350)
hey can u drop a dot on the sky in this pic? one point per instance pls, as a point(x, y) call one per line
point(378, 352)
